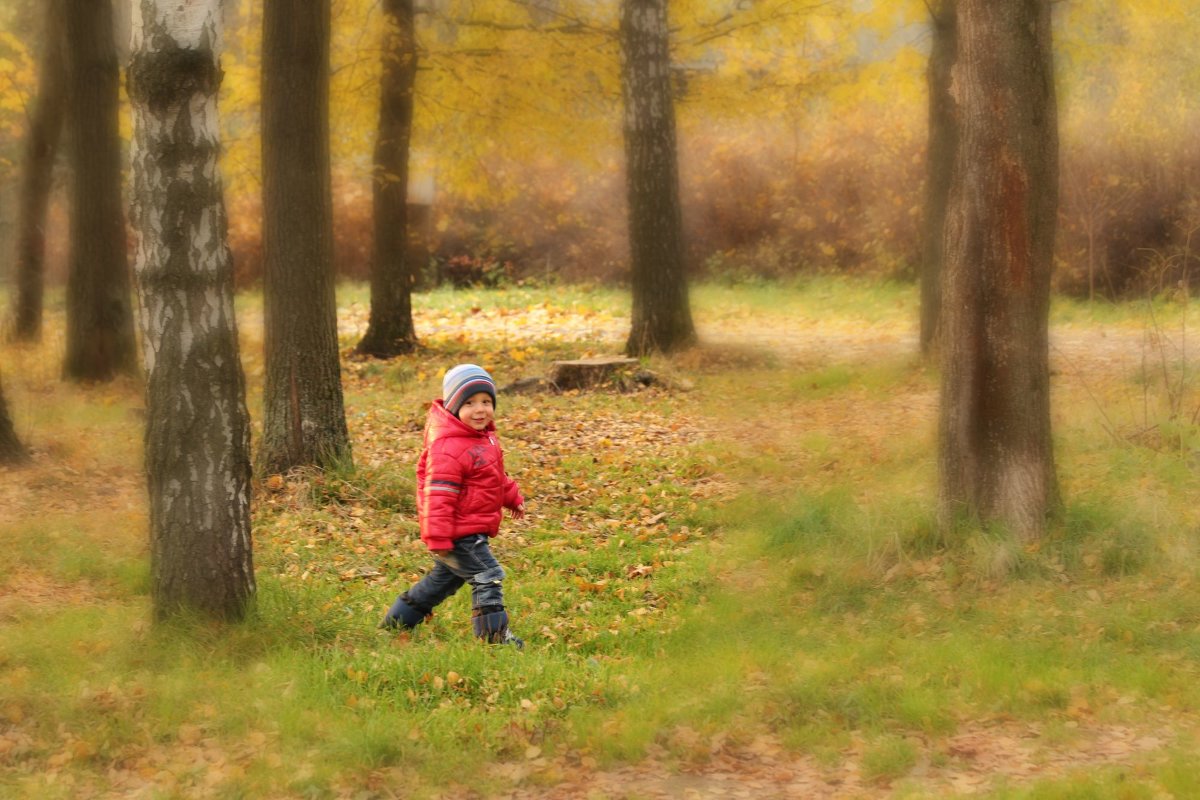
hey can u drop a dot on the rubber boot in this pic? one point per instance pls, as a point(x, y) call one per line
point(402, 615)
point(492, 627)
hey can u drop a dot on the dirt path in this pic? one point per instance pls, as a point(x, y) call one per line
point(1073, 348)
point(973, 760)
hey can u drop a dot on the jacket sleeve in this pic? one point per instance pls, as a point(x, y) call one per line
point(440, 483)
point(512, 493)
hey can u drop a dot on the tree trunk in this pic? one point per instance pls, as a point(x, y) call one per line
point(390, 330)
point(939, 164)
point(662, 318)
point(304, 420)
point(11, 449)
point(995, 454)
point(100, 338)
point(197, 427)
point(37, 172)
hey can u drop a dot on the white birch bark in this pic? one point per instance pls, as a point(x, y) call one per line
point(197, 435)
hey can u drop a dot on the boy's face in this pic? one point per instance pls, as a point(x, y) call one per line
point(478, 411)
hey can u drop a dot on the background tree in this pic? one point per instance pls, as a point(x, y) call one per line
point(662, 318)
point(304, 421)
point(37, 169)
point(11, 449)
point(100, 340)
point(197, 428)
point(390, 330)
point(995, 454)
point(939, 162)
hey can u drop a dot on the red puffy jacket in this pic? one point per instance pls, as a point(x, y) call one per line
point(461, 482)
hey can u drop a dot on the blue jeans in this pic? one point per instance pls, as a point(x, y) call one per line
point(471, 561)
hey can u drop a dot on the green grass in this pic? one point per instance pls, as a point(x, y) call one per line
point(781, 575)
point(812, 299)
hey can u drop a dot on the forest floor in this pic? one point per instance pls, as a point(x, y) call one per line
point(1081, 727)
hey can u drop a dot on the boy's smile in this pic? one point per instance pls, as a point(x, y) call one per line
point(478, 411)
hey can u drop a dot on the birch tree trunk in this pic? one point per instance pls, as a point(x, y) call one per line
point(100, 338)
point(37, 171)
point(996, 459)
point(11, 449)
point(304, 420)
point(940, 155)
point(390, 330)
point(662, 318)
point(197, 429)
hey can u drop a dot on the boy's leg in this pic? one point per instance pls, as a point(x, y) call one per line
point(486, 577)
point(471, 561)
point(483, 573)
point(411, 608)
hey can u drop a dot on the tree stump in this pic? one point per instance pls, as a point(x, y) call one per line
point(583, 373)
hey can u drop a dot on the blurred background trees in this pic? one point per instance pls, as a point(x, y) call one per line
point(940, 152)
point(100, 340)
point(395, 265)
point(661, 319)
point(801, 130)
point(48, 107)
point(303, 417)
point(11, 449)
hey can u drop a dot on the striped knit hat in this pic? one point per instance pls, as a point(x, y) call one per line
point(462, 382)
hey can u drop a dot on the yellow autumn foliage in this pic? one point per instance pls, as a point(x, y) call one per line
point(801, 125)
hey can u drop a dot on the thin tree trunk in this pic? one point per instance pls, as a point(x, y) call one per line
point(197, 427)
point(304, 418)
point(390, 330)
point(939, 164)
point(37, 172)
point(995, 453)
point(662, 317)
point(100, 338)
point(11, 449)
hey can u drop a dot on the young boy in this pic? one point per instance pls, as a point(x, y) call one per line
point(461, 488)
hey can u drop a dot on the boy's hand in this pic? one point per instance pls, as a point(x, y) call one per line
point(518, 512)
point(442, 553)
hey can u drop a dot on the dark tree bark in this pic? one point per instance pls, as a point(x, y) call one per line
point(304, 419)
point(11, 449)
point(662, 318)
point(390, 330)
point(37, 170)
point(939, 163)
point(100, 339)
point(197, 427)
point(995, 454)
